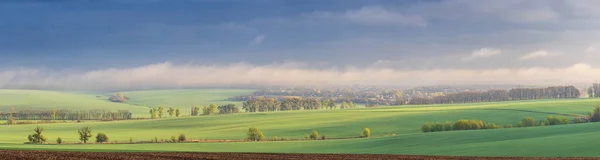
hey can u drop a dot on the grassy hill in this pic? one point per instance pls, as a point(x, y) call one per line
point(37, 99)
point(404, 121)
point(184, 99)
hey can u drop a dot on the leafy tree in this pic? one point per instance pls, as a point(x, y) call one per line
point(101, 138)
point(130, 140)
point(85, 133)
point(314, 135)
point(10, 117)
point(153, 113)
point(53, 114)
point(182, 138)
point(344, 105)
point(254, 134)
point(195, 110)
point(171, 111)
point(177, 112)
point(37, 136)
point(161, 111)
point(206, 110)
point(213, 109)
point(59, 140)
point(366, 132)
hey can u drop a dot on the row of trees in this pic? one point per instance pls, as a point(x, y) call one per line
point(292, 103)
point(159, 112)
point(65, 114)
point(213, 109)
point(555, 92)
point(463, 124)
point(594, 91)
point(85, 134)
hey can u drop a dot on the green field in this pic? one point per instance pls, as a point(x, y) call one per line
point(184, 99)
point(140, 100)
point(36, 99)
point(402, 121)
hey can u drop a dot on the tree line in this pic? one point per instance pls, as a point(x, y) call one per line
point(555, 92)
point(213, 109)
point(292, 103)
point(65, 114)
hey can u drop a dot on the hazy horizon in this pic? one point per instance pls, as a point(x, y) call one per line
point(116, 44)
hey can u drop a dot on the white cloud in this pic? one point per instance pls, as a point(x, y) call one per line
point(591, 49)
point(482, 53)
point(373, 16)
point(165, 75)
point(536, 54)
point(258, 39)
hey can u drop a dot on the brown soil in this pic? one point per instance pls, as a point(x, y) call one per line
point(60, 155)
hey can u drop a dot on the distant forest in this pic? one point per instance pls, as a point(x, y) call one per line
point(372, 96)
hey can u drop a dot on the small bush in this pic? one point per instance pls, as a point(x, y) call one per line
point(254, 134)
point(101, 138)
point(322, 137)
point(448, 126)
point(557, 120)
point(275, 138)
point(426, 127)
point(59, 140)
point(366, 132)
point(306, 136)
point(527, 122)
point(314, 135)
point(579, 120)
point(508, 126)
point(182, 138)
point(130, 140)
point(173, 139)
point(437, 127)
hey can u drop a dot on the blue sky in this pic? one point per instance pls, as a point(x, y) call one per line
point(50, 40)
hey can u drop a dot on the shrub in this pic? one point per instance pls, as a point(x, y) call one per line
point(508, 126)
point(101, 138)
point(322, 137)
point(437, 127)
point(314, 135)
point(275, 138)
point(254, 134)
point(464, 124)
point(520, 124)
point(542, 123)
point(366, 132)
point(527, 122)
point(182, 138)
point(59, 140)
point(173, 139)
point(130, 140)
point(448, 126)
point(579, 120)
point(557, 120)
point(306, 136)
point(426, 127)
point(155, 139)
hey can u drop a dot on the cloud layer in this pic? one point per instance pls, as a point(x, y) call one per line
point(168, 75)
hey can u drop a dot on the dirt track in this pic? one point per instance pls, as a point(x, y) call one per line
point(55, 155)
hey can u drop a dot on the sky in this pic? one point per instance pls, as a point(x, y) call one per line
point(135, 44)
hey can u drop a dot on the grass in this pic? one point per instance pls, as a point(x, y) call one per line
point(403, 121)
point(36, 99)
point(184, 99)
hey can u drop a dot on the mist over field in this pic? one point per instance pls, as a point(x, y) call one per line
point(170, 75)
